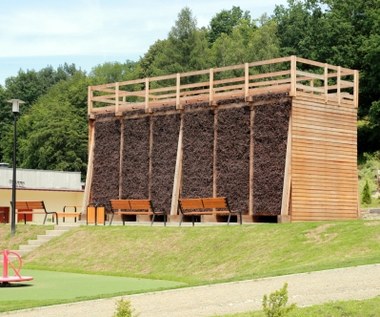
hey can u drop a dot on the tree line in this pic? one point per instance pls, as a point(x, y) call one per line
point(52, 129)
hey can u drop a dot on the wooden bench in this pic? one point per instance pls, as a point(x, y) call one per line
point(34, 207)
point(73, 213)
point(206, 206)
point(134, 207)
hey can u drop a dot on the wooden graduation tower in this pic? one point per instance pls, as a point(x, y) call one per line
point(277, 138)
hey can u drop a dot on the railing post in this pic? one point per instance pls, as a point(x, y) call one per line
point(293, 75)
point(338, 84)
point(90, 103)
point(326, 83)
point(211, 89)
point(178, 92)
point(246, 81)
point(147, 95)
point(116, 99)
point(356, 88)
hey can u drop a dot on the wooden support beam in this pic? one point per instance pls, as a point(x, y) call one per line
point(356, 88)
point(147, 109)
point(325, 82)
point(286, 189)
point(215, 156)
point(211, 87)
point(246, 81)
point(121, 155)
point(90, 104)
point(150, 167)
point(117, 112)
point(251, 159)
point(338, 86)
point(90, 165)
point(178, 171)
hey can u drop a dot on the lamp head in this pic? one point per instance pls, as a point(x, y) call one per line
point(15, 105)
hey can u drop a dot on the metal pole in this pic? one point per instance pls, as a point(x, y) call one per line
point(13, 217)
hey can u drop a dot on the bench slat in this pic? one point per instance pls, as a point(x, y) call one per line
point(191, 203)
point(219, 202)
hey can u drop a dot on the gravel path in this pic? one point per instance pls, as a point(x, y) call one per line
point(304, 289)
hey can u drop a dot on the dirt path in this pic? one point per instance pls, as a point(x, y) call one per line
point(304, 289)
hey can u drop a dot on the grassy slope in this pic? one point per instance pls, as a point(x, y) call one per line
point(23, 234)
point(210, 254)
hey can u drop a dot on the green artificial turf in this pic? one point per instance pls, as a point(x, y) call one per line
point(49, 287)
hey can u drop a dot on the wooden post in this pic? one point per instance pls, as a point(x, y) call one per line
point(90, 103)
point(246, 81)
point(121, 152)
point(178, 171)
point(147, 95)
point(117, 99)
point(178, 91)
point(326, 83)
point(214, 156)
point(286, 189)
point(150, 167)
point(211, 88)
point(293, 75)
point(251, 159)
point(338, 84)
point(90, 166)
point(356, 88)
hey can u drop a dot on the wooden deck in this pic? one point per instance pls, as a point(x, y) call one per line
point(295, 75)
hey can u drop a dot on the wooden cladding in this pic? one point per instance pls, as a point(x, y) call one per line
point(323, 161)
point(292, 74)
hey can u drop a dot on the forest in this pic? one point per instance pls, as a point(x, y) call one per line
point(52, 128)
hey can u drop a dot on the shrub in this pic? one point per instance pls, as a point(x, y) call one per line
point(366, 194)
point(124, 309)
point(275, 305)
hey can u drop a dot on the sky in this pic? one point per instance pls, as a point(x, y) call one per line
point(38, 33)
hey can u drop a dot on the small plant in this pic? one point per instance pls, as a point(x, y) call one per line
point(366, 194)
point(124, 309)
point(275, 305)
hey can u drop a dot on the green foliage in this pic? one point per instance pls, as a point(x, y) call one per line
point(366, 194)
point(275, 305)
point(124, 309)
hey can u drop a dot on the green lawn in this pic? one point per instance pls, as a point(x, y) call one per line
point(190, 255)
point(354, 308)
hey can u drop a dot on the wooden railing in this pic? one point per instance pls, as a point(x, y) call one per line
point(295, 75)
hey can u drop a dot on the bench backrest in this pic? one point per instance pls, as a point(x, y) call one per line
point(203, 203)
point(191, 203)
point(30, 205)
point(131, 204)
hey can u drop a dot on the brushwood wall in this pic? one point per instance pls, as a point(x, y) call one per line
point(236, 149)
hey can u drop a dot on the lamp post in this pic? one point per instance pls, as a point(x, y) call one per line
point(15, 109)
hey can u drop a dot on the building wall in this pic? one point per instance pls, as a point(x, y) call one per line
point(323, 161)
point(54, 200)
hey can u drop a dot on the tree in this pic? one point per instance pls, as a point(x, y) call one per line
point(225, 21)
point(53, 132)
point(111, 72)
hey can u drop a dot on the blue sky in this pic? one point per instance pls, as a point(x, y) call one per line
point(38, 33)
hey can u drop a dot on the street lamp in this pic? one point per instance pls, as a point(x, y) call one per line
point(15, 109)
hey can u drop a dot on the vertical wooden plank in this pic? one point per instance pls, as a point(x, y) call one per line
point(251, 159)
point(90, 103)
point(178, 171)
point(150, 168)
point(214, 159)
point(90, 166)
point(147, 95)
point(356, 88)
point(338, 83)
point(293, 75)
point(121, 152)
point(246, 81)
point(286, 189)
point(178, 91)
point(211, 88)
point(325, 81)
point(117, 99)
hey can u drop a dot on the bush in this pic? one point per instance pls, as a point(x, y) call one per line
point(124, 309)
point(366, 194)
point(276, 304)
